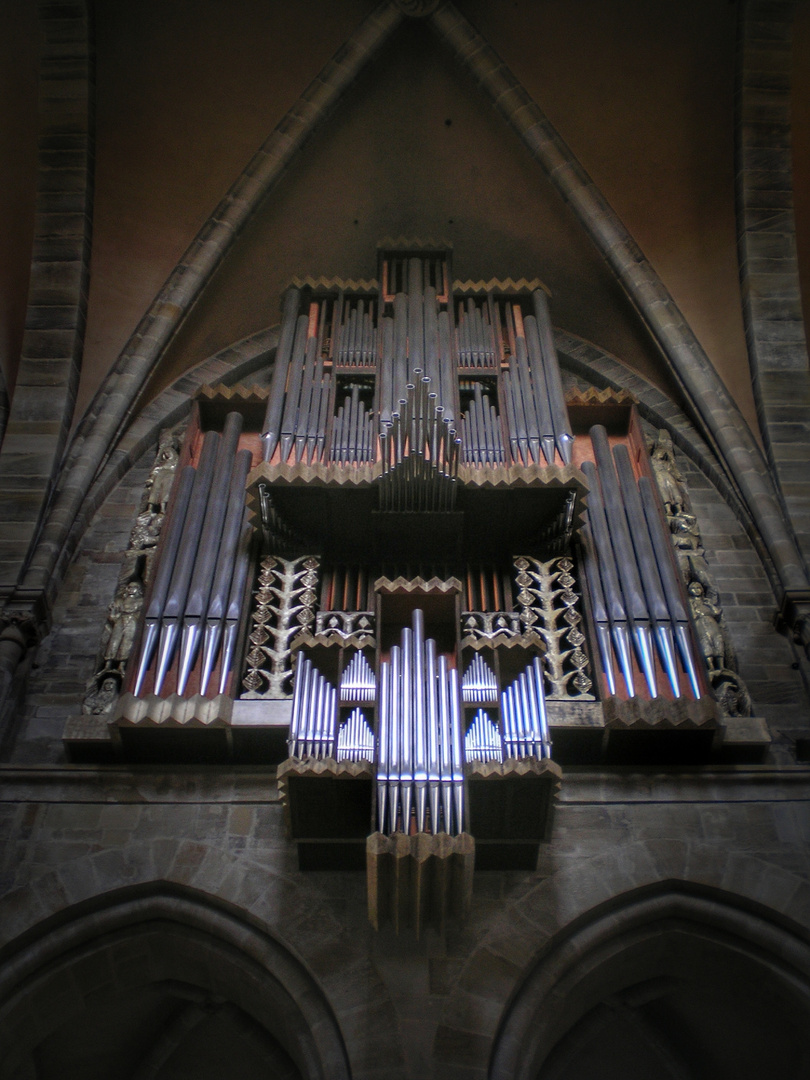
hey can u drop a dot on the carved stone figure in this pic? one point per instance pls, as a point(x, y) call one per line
point(161, 478)
point(731, 693)
point(146, 531)
point(123, 622)
point(668, 476)
point(706, 616)
point(101, 696)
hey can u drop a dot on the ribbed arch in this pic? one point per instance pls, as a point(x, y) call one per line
point(177, 943)
point(712, 408)
point(608, 967)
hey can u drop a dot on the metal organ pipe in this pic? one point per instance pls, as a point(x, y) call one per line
point(184, 563)
point(650, 576)
point(540, 388)
point(662, 546)
point(609, 576)
point(160, 584)
point(598, 606)
point(420, 738)
point(236, 599)
point(226, 562)
point(551, 367)
point(199, 592)
point(275, 400)
point(634, 599)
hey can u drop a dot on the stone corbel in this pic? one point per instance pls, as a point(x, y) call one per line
point(794, 617)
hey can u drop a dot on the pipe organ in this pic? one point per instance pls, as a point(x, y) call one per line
point(414, 560)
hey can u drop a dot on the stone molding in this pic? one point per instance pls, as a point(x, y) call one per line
point(766, 243)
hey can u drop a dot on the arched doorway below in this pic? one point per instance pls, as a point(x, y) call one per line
point(163, 987)
point(667, 987)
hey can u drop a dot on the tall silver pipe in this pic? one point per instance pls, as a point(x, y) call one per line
point(385, 379)
point(400, 346)
point(609, 576)
point(290, 413)
point(431, 328)
point(406, 729)
point(226, 559)
point(598, 607)
point(420, 763)
point(551, 366)
point(650, 575)
point(275, 400)
point(446, 762)
point(540, 388)
point(662, 546)
point(303, 419)
point(634, 599)
point(533, 431)
point(298, 683)
point(540, 701)
point(236, 600)
point(456, 750)
point(394, 731)
point(447, 368)
point(432, 710)
point(416, 331)
point(172, 534)
point(199, 592)
point(383, 743)
point(184, 563)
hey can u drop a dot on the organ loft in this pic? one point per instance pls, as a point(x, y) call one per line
point(420, 576)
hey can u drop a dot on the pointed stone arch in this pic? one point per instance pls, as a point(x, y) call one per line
point(642, 948)
point(713, 411)
point(216, 962)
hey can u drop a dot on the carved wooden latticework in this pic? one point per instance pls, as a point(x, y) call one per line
point(285, 604)
point(548, 606)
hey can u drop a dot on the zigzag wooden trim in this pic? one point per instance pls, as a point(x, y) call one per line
point(661, 713)
point(350, 285)
point(527, 640)
point(340, 770)
point(493, 476)
point(417, 584)
point(483, 770)
point(173, 711)
point(607, 396)
point(501, 285)
point(331, 639)
point(229, 393)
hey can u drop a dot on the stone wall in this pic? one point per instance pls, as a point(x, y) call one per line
point(405, 1008)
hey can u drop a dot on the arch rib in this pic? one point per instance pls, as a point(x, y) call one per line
point(715, 413)
point(113, 403)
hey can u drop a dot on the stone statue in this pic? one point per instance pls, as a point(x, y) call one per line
point(706, 616)
point(668, 476)
point(123, 622)
point(161, 478)
point(731, 693)
point(146, 531)
point(102, 694)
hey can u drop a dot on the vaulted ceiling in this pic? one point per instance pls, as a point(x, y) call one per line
point(186, 92)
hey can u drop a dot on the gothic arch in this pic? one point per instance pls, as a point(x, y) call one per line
point(208, 966)
point(670, 942)
point(712, 408)
point(553, 921)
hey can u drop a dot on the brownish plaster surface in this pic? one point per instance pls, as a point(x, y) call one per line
point(649, 115)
